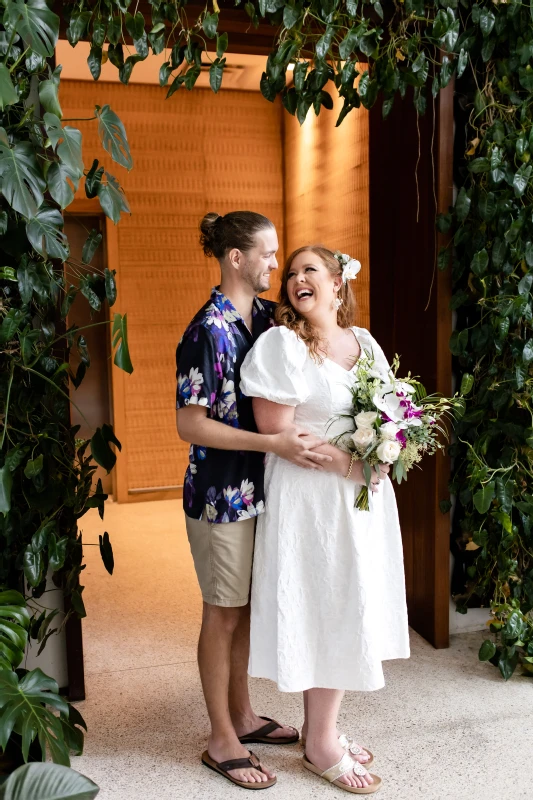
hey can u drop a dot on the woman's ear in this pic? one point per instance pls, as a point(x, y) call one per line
point(337, 283)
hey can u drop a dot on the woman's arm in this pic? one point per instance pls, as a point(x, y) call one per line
point(272, 418)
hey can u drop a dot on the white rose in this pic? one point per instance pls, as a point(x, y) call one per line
point(388, 451)
point(365, 419)
point(363, 438)
point(389, 430)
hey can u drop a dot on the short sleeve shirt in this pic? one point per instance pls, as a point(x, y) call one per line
point(226, 485)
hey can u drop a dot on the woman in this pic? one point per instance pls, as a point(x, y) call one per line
point(328, 593)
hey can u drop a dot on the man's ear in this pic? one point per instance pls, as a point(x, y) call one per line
point(235, 258)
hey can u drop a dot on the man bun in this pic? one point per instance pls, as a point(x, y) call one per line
point(237, 230)
point(207, 233)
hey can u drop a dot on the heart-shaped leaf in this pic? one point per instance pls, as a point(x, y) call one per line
point(22, 181)
point(113, 136)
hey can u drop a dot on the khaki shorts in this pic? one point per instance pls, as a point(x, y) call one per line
point(223, 555)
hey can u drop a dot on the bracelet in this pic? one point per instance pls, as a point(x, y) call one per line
point(350, 467)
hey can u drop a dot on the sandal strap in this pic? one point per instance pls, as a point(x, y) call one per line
point(271, 726)
point(343, 767)
point(348, 743)
point(252, 762)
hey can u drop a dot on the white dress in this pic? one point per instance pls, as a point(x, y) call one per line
point(328, 587)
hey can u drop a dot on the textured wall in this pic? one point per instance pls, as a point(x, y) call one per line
point(326, 189)
point(194, 153)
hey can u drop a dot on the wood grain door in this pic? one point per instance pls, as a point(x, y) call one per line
point(410, 178)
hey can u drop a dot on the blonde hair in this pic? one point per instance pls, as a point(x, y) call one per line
point(286, 315)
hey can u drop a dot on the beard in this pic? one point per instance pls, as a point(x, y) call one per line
point(259, 281)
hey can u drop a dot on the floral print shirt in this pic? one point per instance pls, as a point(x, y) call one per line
point(227, 485)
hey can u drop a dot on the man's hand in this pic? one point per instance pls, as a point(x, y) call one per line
point(296, 446)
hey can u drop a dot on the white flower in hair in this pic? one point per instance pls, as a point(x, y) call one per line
point(350, 266)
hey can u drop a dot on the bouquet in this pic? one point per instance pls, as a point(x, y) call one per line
point(396, 422)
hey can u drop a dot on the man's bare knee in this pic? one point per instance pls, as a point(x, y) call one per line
point(224, 618)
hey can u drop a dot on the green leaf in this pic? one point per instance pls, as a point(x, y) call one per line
point(299, 73)
point(210, 25)
point(8, 93)
point(32, 564)
point(525, 76)
point(216, 71)
point(480, 262)
point(94, 61)
point(48, 94)
point(33, 467)
point(479, 165)
point(499, 252)
point(100, 449)
point(135, 25)
point(67, 142)
point(6, 483)
point(504, 520)
point(110, 286)
point(112, 198)
point(93, 179)
point(120, 341)
point(106, 551)
point(324, 43)
point(527, 352)
point(77, 26)
point(467, 383)
point(458, 342)
point(191, 76)
point(521, 179)
point(507, 665)
point(462, 61)
point(57, 551)
point(462, 204)
point(291, 15)
point(90, 246)
point(61, 184)
point(113, 136)
point(348, 44)
point(47, 782)
point(36, 24)
point(22, 181)
point(524, 285)
point(45, 233)
point(487, 650)
point(484, 497)
point(222, 44)
point(486, 21)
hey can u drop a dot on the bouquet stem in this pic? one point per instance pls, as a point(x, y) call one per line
point(361, 501)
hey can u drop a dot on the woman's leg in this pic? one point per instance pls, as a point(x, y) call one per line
point(322, 746)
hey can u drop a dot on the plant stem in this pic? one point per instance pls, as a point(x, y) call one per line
point(7, 403)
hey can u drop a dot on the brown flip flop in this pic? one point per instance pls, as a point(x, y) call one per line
point(260, 736)
point(223, 767)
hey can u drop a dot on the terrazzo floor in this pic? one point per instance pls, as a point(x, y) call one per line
point(444, 727)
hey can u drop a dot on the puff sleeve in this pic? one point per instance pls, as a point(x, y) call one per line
point(274, 368)
point(374, 350)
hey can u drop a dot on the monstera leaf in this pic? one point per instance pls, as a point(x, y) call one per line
point(25, 706)
point(14, 624)
point(47, 782)
point(22, 182)
point(113, 136)
point(45, 232)
point(36, 24)
point(8, 93)
point(59, 183)
point(49, 93)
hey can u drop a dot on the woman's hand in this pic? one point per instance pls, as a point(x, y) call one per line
point(378, 473)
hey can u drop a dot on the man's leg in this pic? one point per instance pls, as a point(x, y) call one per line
point(214, 661)
point(244, 719)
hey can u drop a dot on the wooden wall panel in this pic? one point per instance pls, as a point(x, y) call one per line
point(192, 154)
point(327, 189)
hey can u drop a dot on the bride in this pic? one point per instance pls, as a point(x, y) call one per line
point(328, 590)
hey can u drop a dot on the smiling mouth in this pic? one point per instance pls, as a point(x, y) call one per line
point(304, 294)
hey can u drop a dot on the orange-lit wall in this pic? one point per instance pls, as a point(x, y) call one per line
point(326, 189)
point(195, 153)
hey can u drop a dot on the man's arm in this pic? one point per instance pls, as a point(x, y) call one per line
point(273, 418)
point(289, 443)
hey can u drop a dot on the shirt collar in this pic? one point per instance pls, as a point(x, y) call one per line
point(224, 304)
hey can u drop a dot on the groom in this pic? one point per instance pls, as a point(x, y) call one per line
point(223, 487)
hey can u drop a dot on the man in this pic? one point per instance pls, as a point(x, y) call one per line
point(223, 488)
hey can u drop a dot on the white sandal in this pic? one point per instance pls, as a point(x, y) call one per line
point(352, 747)
point(344, 767)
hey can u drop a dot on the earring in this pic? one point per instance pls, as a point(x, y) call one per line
point(337, 303)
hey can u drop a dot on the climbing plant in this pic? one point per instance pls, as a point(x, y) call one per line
point(368, 52)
